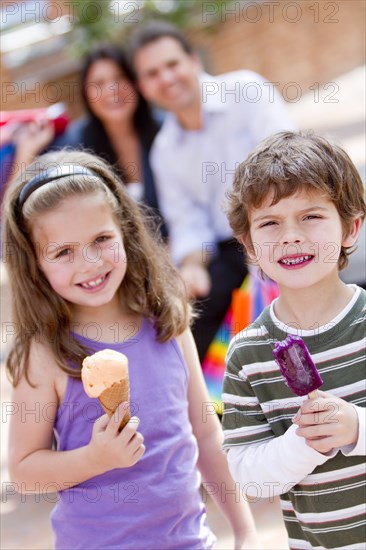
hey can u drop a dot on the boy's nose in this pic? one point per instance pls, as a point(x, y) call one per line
point(289, 240)
point(290, 235)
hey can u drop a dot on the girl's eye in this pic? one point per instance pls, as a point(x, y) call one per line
point(64, 252)
point(312, 217)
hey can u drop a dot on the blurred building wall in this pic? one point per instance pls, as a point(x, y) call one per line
point(302, 42)
point(295, 44)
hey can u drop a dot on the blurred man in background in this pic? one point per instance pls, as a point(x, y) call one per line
point(213, 123)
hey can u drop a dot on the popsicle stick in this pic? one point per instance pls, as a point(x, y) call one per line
point(313, 394)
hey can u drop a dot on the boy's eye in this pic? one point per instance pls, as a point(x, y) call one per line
point(312, 217)
point(102, 238)
point(266, 224)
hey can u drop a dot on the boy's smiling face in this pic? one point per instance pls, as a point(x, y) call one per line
point(297, 242)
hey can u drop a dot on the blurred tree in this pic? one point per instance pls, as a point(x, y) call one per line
point(113, 20)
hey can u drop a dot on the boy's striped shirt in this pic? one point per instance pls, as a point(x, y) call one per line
point(327, 508)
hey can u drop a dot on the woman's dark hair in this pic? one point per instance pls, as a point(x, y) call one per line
point(144, 122)
point(94, 138)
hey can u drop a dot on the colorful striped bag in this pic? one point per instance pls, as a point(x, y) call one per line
point(247, 303)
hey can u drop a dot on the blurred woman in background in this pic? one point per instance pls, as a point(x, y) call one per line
point(119, 125)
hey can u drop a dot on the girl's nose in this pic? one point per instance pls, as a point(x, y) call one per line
point(90, 258)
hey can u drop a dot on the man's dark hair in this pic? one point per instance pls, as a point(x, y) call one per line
point(154, 30)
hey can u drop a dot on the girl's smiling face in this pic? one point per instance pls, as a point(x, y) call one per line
point(80, 250)
point(297, 242)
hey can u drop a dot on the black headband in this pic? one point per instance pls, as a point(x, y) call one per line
point(51, 174)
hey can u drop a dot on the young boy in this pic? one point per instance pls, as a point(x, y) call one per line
point(297, 206)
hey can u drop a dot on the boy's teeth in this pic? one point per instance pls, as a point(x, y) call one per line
point(94, 283)
point(294, 261)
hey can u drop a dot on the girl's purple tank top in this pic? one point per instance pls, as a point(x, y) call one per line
point(154, 504)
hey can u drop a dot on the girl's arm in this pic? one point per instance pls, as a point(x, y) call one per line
point(212, 462)
point(31, 139)
point(33, 465)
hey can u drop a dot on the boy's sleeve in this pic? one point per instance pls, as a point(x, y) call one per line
point(263, 464)
point(244, 422)
point(274, 467)
point(359, 449)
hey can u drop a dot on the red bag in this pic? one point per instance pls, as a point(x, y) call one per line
point(57, 114)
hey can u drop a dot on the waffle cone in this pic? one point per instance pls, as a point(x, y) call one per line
point(113, 396)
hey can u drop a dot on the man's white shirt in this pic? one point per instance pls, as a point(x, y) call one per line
point(194, 169)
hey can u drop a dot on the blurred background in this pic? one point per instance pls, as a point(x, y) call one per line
point(313, 51)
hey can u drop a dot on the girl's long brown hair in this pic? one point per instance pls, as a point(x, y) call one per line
point(151, 286)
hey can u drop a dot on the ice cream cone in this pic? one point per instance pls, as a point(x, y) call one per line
point(113, 396)
point(105, 376)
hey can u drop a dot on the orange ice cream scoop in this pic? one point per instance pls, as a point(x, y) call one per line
point(103, 369)
point(105, 376)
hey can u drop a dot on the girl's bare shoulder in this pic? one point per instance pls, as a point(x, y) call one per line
point(42, 362)
point(44, 371)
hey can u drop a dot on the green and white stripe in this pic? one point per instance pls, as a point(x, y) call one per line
point(327, 508)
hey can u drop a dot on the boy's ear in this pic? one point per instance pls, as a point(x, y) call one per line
point(350, 239)
point(248, 245)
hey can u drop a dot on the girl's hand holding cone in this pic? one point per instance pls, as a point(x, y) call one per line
point(111, 448)
point(115, 442)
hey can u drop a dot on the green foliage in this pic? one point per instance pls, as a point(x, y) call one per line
point(92, 23)
point(112, 20)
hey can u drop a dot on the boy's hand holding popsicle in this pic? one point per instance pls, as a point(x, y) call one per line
point(325, 421)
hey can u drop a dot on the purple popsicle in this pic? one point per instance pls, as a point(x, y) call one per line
point(297, 366)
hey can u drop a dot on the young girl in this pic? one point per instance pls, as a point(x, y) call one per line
point(86, 274)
